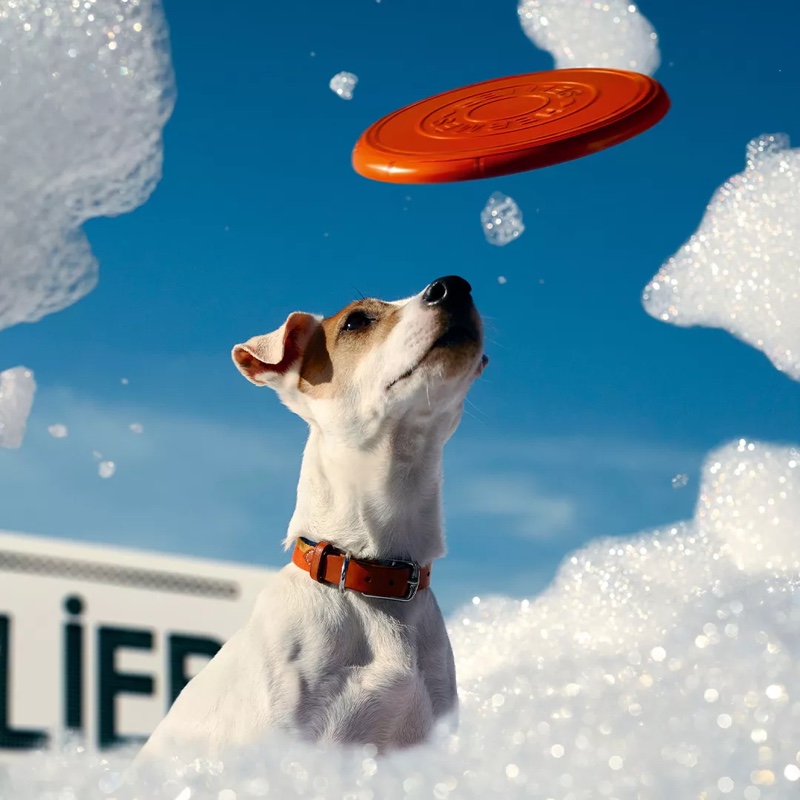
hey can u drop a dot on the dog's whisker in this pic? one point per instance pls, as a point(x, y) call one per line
point(475, 417)
point(477, 408)
point(358, 292)
point(497, 344)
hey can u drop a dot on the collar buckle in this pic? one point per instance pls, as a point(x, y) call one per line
point(413, 579)
point(343, 575)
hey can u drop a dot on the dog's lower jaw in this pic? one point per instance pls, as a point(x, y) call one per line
point(381, 502)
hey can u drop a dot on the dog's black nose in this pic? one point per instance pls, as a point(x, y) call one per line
point(450, 290)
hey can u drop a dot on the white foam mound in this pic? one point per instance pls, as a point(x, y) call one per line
point(85, 90)
point(662, 666)
point(580, 33)
point(741, 270)
point(17, 388)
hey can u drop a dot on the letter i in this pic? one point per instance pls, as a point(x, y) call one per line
point(73, 665)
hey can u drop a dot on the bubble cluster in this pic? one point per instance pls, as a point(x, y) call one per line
point(85, 90)
point(584, 33)
point(501, 220)
point(58, 430)
point(106, 469)
point(344, 84)
point(663, 665)
point(17, 387)
point(680, 480)
point(741, 269)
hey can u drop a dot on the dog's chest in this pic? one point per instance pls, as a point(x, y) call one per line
point(323, 666)
point(349, 673)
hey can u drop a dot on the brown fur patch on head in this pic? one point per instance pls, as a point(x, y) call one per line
point(317, 368)
point(333, 353)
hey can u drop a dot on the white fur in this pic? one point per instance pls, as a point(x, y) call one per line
point(338, 666)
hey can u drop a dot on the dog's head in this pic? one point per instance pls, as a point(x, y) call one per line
point(375, 362)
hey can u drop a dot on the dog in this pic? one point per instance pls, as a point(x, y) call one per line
point(347, 644)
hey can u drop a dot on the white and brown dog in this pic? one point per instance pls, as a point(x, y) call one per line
point(348, 644)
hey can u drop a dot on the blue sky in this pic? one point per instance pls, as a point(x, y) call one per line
point(588, 407)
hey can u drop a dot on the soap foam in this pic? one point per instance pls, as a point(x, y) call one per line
point(85, 90)
point(741, 269)
point(578, 33)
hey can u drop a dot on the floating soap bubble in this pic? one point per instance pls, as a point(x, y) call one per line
point(680, 480)
point(578, 33)
point(741, 269)
point(85, 91)
point(136, 427)
point(501, 220)
point(17, 387)
point(343, 84)
point(105, 469)
point(58, 431)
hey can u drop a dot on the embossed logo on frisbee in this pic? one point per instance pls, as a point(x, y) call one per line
point(513, 108)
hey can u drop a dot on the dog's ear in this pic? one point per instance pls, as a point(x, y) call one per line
point(265, 359)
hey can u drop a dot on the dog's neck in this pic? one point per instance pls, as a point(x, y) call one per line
point(381, 501)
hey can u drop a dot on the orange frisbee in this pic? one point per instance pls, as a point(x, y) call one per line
point(509, 125)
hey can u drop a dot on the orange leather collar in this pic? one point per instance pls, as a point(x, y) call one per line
point(393, 580)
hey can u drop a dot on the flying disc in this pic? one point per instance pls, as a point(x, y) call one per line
point(507, 125)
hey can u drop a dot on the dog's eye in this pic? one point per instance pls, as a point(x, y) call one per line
point(357, 321)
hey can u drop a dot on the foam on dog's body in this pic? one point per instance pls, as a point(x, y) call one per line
point(382, 392)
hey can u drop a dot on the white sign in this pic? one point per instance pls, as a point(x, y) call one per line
point(100, 640)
